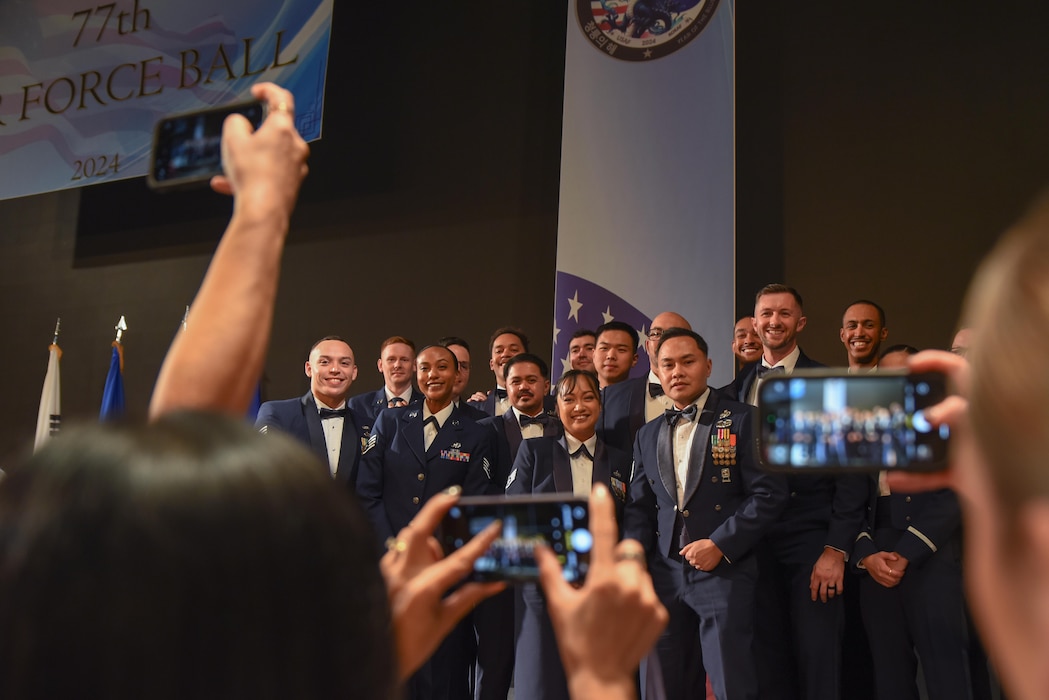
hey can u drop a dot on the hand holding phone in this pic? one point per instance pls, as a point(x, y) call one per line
point(825, 421)
point(552, 520)
point(187, 148)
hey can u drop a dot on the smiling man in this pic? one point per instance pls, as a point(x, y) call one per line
point(862, 332)
point(615, 353)
point(504, 344)
point(396, 364)
point(746, 344)
point(413, 453)
point(320, 419)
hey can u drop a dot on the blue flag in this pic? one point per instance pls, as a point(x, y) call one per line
point(113, 394)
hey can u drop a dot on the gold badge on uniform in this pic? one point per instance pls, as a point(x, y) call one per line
point(726, 475)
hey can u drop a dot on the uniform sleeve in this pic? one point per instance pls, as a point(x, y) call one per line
point(929, 527)
point(848, 512)
point(370, 476)
point(267, 418)
point(479, 473)
point(639, 514)
point(522, 472)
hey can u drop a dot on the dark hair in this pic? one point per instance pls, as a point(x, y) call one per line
point(455, 360)
point(571, 378)
point(899, 347)
point(619, 326)
point(512, 331)
point(743, 316)
point(867, 302)
point(778, 289)
point(191, 557)
point(682, 333)
point(544, 369)
point(395, 339)
point(450, 340)
point(581, 333)
point(325, 339)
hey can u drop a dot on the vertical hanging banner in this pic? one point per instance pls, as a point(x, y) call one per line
point(82, 84)
point(646, 219)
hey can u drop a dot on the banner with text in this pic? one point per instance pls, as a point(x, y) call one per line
point(82, 85)
point(646, 215)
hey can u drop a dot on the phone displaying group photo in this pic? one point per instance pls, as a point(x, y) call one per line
point(187, 148)
point(819, 421)
point(560, 523)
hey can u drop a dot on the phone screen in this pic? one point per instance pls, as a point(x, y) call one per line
point(864, 422)
point(560, 523)
point(187, 148)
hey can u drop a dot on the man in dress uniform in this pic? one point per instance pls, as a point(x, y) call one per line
point(801, 612)
point(396, 365)
point(320, 418)
point(699, 504)
point(615, 353)
point(462, 353)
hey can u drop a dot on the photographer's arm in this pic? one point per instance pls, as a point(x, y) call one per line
point(215, 362)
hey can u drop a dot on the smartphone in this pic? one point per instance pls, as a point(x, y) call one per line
point(560, 522)
point(833, 422)
point(187, 148)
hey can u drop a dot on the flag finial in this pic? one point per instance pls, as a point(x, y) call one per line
point(58, 324)
point(120, 328)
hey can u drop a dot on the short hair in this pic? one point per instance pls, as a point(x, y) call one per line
point(394, 340)
point(683, 333)
point(867, 302)
point(455, 360)
point(582, 333)
point(326, 339)
point(571, 378)
point(449, 340)
point(618, 326)
point(777, 288)
point(221, 546)
point(899, 347)
point(544, 369)
point(749, 314)
point(512, 331)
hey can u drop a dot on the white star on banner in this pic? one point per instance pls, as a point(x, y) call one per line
point(566, 363)
point(607, 313)
point(575, 305)
point(642, 336)
point(556, 331)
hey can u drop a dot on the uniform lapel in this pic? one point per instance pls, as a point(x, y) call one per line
point(602, 465)
point(562, 466)
point(665, 459)
point(700, 440)
point(513, 432)
point(313, 427)
point(412, 424)
point(348, 449)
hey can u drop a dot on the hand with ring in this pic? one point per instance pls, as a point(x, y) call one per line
point(417, 577)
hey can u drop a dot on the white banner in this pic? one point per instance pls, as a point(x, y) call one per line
point(646, 219)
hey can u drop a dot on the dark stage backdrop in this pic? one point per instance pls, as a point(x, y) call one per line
point(878, 155)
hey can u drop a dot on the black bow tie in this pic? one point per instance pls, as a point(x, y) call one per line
point(500, 393)
point(673, 415)
point(763, 370)
point(655, 390)
point(541, 419)
point(582, 451)
point(333, 413)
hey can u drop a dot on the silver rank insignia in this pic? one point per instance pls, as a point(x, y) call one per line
point(365, 446)
point(487, 468)
point(510, 479)
point(264, 429)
